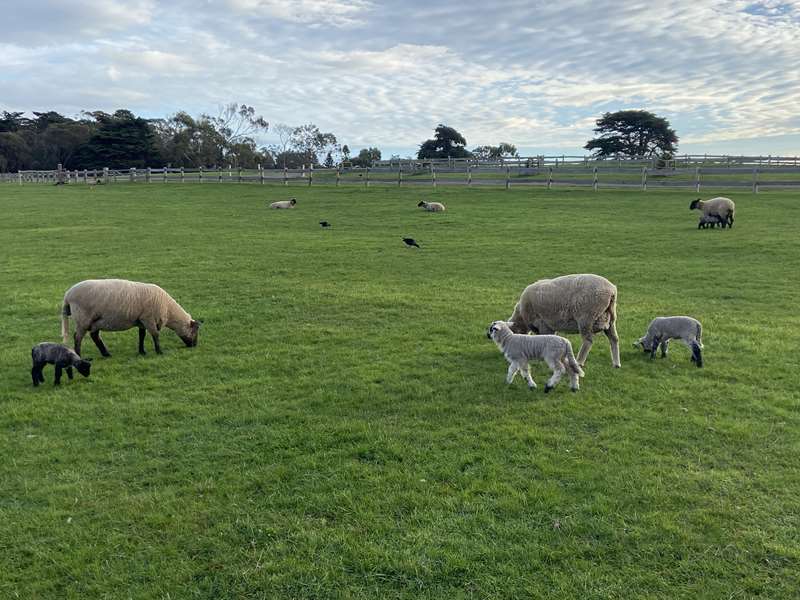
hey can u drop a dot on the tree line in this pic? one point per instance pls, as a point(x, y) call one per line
point(123, 140)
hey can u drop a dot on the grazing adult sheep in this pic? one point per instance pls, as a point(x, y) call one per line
point(518, 349)
point(724, 208)
point(709, 221)
point(284, 204)
point(48, 353)
point(663, 329)
point(117, 305)
point(582, 303)
point(432, 206)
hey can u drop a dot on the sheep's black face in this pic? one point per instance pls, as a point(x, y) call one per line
point(694, 203)
point(191, 339)
point(422, 203)
point(83, 367)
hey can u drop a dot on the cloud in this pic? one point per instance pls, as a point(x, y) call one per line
point(533, 74)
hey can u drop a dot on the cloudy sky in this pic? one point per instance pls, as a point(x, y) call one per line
point(384, 73)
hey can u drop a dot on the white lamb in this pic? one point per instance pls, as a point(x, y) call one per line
point(663, 329)
point(519, 349)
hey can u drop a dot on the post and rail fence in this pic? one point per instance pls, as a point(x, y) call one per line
point(693, 172)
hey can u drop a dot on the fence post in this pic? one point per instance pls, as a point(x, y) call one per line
point(469, 174)
point(338, 176)
point(85, 176)
point(644, 179)
point(132, 174)
point(399, 174)
point(366, 181)
point(182, 175)
point(433, 174)
point(755, 180)
point(508, 177)
point(200, 175)
point(238, 174)
point(285, 175)
point(19, 177)
point(148, 174)
point(105, 174)
point(219, 173)
point(310, 174)
point(594, 179)
point(549, 176)
point(697, 179)
point(261, 174)
point(230, 173)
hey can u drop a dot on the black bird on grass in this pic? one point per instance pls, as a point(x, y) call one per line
point(324, 224)
point(411, 242)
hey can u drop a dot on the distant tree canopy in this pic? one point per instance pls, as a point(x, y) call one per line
point(365, 157)
point(446, 143)
point(633, 133)
point(502, 150)
point(123, 140)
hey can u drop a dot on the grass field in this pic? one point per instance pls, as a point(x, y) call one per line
point(343, 428)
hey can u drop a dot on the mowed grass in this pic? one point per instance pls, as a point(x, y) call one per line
point(343, 428)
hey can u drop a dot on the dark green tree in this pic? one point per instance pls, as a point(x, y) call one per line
point(122, 140)
point(502, 150)
point(15, 154)
point(366, 156)
point(446, 143)
point(633, 133)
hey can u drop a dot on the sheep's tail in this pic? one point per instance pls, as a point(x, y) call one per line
point(572, 362)
point(65, 313)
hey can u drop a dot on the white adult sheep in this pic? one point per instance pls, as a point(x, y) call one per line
point(431, 206)
point(581, 303)
point(663, 329)
point(284, 204)
point(724, 208)
point(117, 305)
point(518, 349)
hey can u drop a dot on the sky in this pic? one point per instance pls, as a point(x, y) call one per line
point(385, 73)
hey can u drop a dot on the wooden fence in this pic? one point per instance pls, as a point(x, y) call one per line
point(687, 172)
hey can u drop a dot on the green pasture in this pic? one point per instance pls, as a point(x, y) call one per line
point(343, 429)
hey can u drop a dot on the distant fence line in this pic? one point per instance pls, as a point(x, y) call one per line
point(687, 171)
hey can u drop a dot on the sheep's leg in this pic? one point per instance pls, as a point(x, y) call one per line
point(58, 375)
point(512, 372)
point(654, 347)
point(586, 345)
point(142, 334)
point(95, 335)
point(558, 372)
point(69, 372)
point(574, 378)
point(36, 374)
point(77, 338)
point(526, 373)
point(156, 343)
point(664, 348)
point(613, 338)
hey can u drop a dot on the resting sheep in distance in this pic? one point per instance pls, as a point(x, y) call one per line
point(663, 329)
point(432, 206)
point(62, 357)
point(585, 304)
point(724, 208)
point(518, 349)
point(117, 305)
point(284, 204)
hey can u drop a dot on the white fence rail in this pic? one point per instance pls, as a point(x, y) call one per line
point(687, 172)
